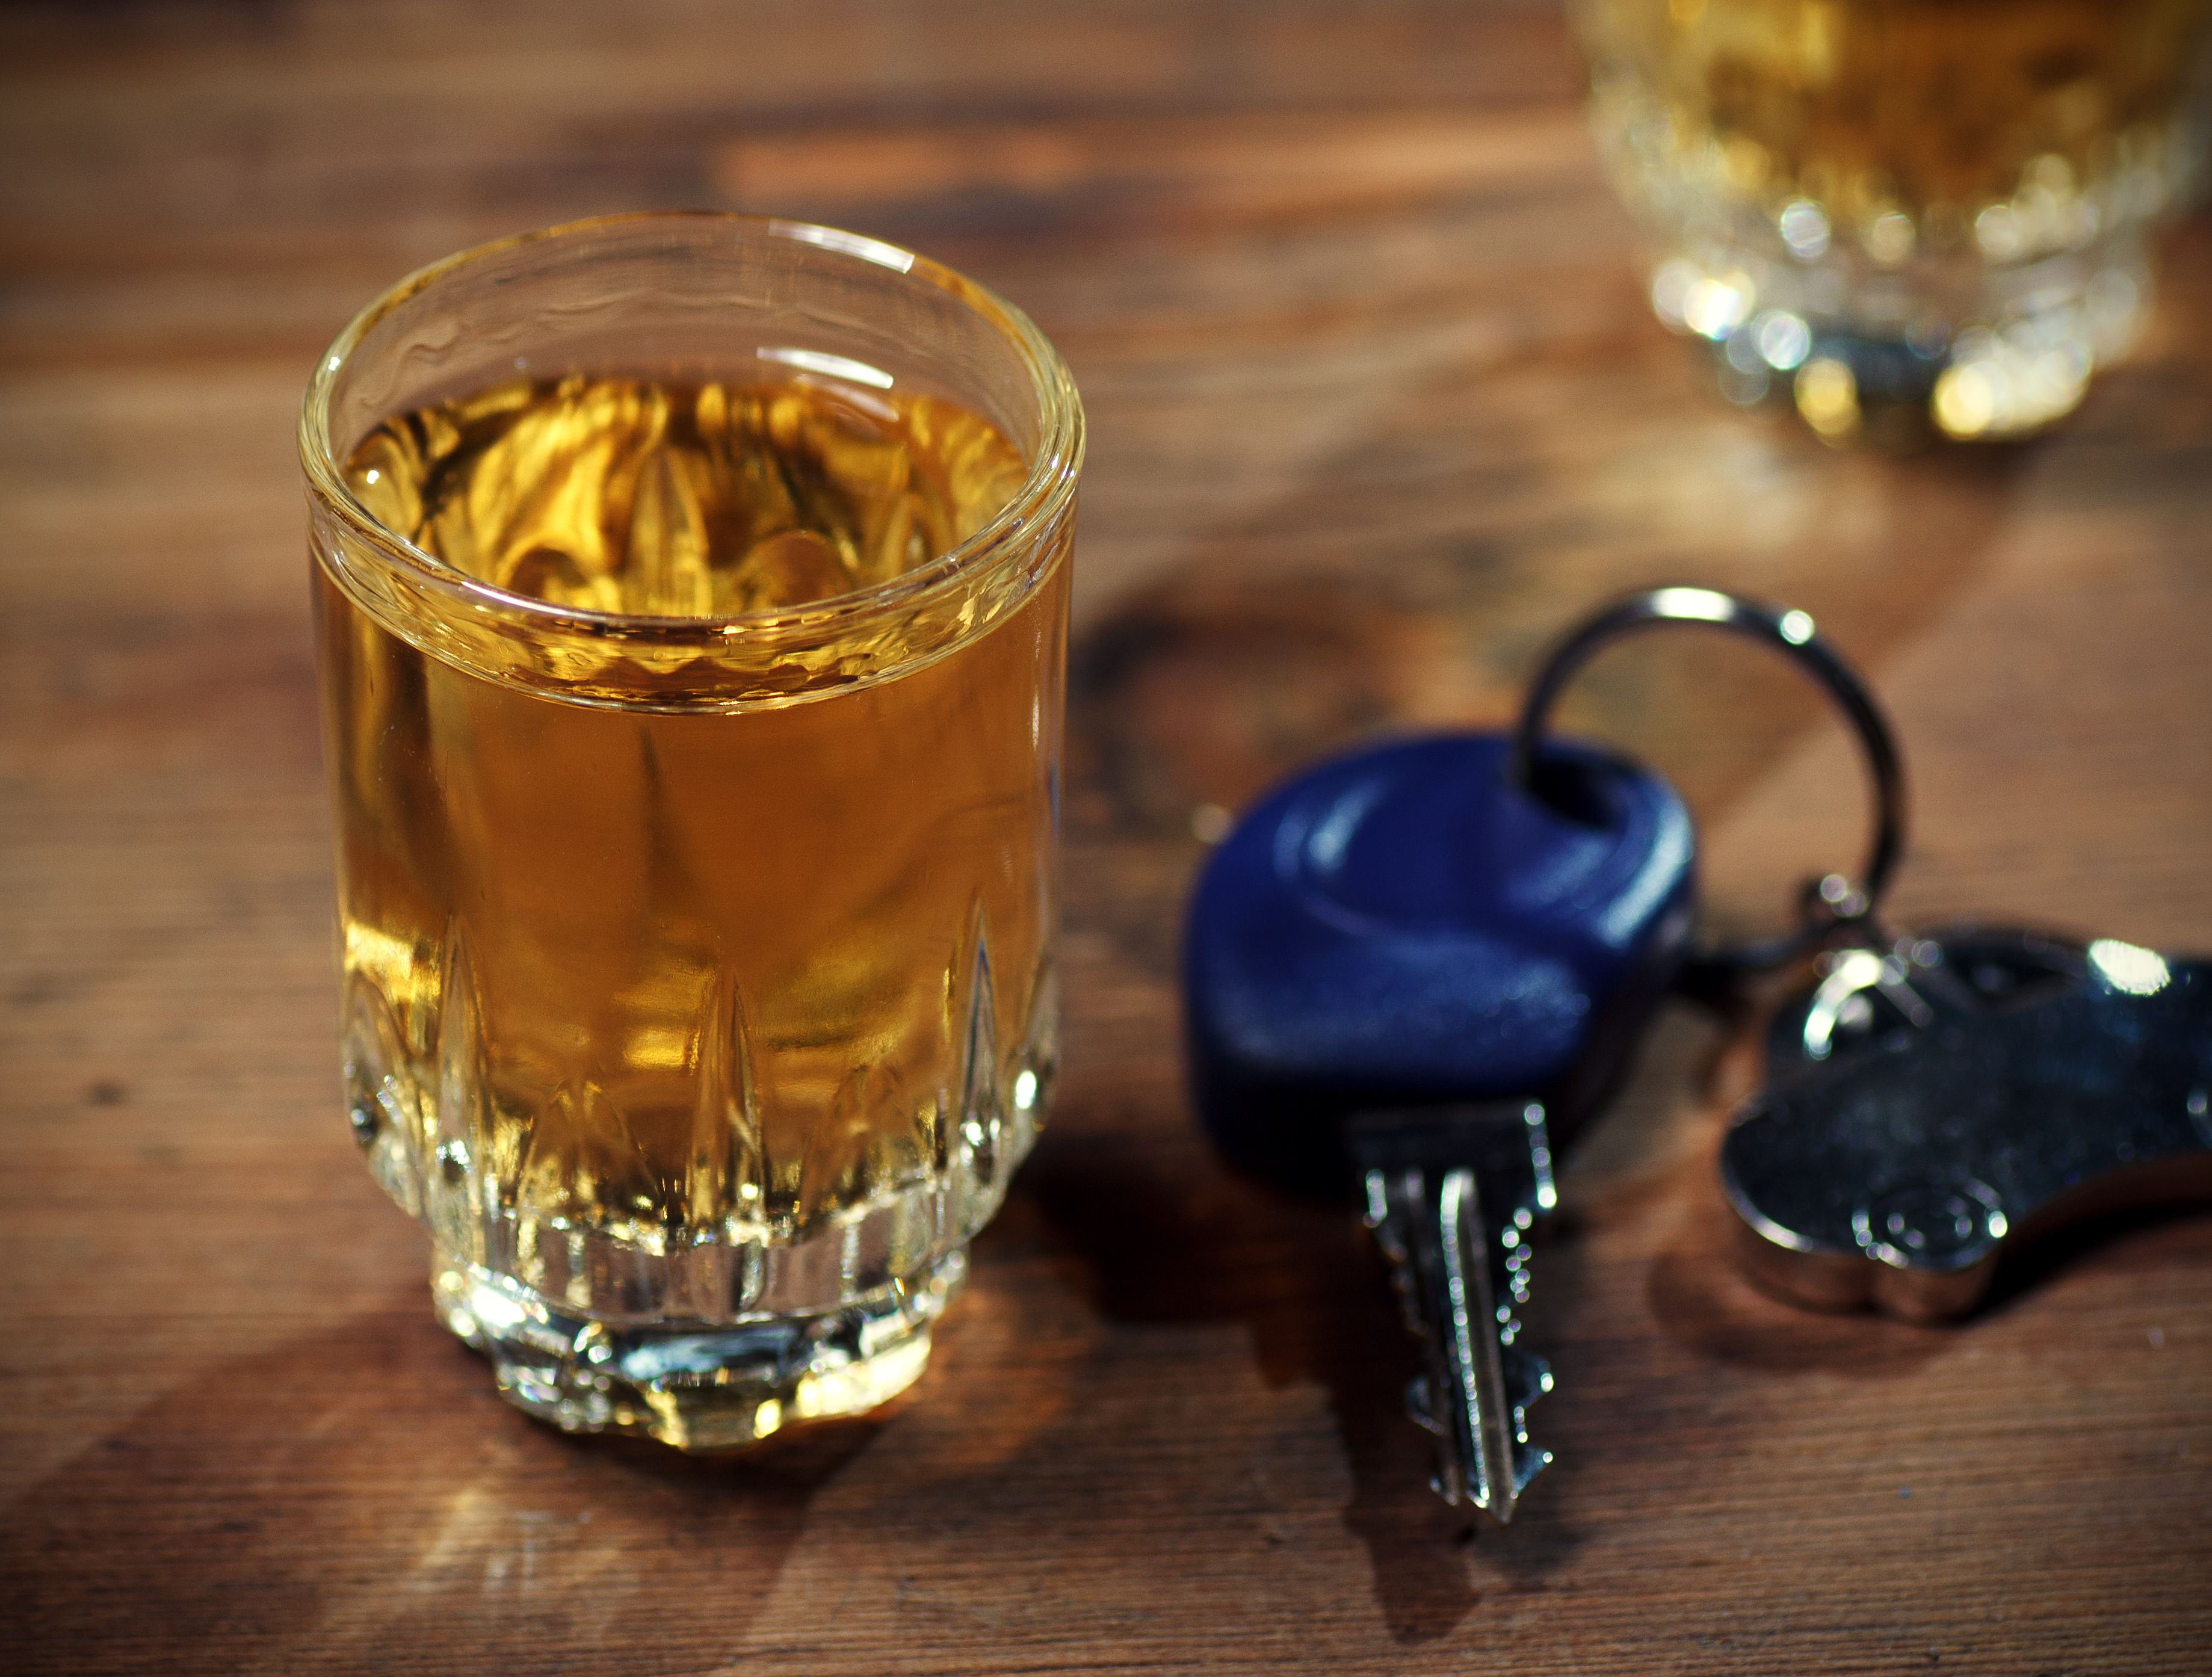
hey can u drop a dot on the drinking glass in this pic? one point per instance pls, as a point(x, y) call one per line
point(1909, 210)
point(697, 971)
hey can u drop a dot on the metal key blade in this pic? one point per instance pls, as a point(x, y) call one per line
point(1452, 1193)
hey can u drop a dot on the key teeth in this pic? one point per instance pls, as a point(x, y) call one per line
point(1527, 1377)
point(1421, 1408)
point(1407, 1289)
point(1528, 1459)
point(1421, 1405)
point(1539, 1459)
point(1455, 1232)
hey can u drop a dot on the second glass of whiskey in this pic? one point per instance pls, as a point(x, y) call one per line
point(1912, 214)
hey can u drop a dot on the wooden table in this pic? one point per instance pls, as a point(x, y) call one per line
point(1377, 408)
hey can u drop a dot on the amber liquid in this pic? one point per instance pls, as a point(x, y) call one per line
point(665, 977)
point(1915, 125)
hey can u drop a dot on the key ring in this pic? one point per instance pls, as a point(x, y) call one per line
point(1833, 906)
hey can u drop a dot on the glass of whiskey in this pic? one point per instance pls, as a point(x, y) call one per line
point(1905, 215)
point(692, 602)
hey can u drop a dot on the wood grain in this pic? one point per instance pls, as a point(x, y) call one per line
point(1375, 408)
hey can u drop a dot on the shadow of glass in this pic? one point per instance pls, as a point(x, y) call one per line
point(322, 1506)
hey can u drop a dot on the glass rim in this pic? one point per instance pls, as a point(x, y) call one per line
point(1037, 505)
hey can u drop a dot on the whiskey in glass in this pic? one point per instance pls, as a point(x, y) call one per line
point(691, 597)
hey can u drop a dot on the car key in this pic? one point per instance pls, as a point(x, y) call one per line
point(1933, 1100)
point(1452, 1194)
point(1391, 962)
point(1420, 967)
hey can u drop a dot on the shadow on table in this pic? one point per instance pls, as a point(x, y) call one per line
point(314, 1507)
point(1167, 1240)
point(1701, 1298)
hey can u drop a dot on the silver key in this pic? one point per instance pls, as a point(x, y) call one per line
point(1452, 1194)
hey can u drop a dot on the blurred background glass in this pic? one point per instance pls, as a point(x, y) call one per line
point(1901, 213)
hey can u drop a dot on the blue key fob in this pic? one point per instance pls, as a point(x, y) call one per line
point(1475, 917)
point(1422, 923)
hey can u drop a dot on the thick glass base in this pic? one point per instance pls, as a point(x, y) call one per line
point(697, 1386)
point(1968, 354)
